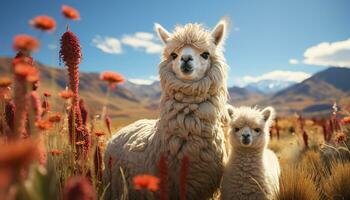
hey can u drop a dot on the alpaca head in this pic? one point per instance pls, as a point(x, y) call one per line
point(250, 127)
point(190, 49)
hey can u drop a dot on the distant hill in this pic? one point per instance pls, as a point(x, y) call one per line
point(315, 94)
point(124, 102)
point(130, 101)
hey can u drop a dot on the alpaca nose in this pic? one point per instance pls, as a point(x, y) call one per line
point(186, 58)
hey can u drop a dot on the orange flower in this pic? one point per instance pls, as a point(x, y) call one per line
point(28, 71)
point(345, 120)
point(5, 82)
point(340, 137)
point(70, 12)
point(146, 182)
point(56, 152)
point(43, 124)
point(80, 143)
point(55, 118)
point(47, 94)
point(43, 22)
point(112, 78)
point(24, 42)
point(66, 94)
point(99, 133)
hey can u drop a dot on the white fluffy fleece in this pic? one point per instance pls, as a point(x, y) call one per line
point(253, 170)
point(190, 124)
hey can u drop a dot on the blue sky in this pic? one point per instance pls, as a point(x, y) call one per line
point(269, 39)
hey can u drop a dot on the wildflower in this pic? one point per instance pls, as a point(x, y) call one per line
point(43, 124)
point(66, 94)
point(340, 137)
point(70, 12)
point(43, 22)
point(83, 111)
point(25, 43)
point(345, 120)
point(163, 175)
point(112, 78)
point(46, 106)
point(16, 156)
point(55, 118)
point(99, 133)
point(55, 152)
point(98, 162)
point(27, 71)
point(36, 105)
point(146, 182)
point(10, 114)
point(47, 94)
point(80, 143)
point(108, 122)
point(5, 82)
point(70, 53)
point(183, 176)
point(78, 188)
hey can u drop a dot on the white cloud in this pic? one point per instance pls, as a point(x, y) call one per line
point(143, 40)
point(141, 81)
point(108, 44)
point(335, 54)
point(278, 75)
point(151, 79)
point(293, 61)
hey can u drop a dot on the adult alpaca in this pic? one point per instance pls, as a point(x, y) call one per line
point(192, 108)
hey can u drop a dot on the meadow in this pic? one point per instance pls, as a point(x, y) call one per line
point(52, 147)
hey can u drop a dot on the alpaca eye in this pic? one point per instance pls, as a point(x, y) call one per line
point(205, 55)
point(173, 56)
point(236, 129)
point(257, 130)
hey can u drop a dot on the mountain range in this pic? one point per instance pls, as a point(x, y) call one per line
point(130, 101)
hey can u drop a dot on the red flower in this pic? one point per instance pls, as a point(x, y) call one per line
point(345, 120)
point(78, 188)
point(5, 82)
point(43, 22)
point(47, 94)
point(56, 152)
point(28, 71)
point(66, 94)
point(55, 118)
point(340, 137)
point(146, 182)
point(44, 125)
point(112, 78)
point(99, 133)
point(24, 42)
point(70, 12)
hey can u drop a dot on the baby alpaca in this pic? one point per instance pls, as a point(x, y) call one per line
point(252, 171)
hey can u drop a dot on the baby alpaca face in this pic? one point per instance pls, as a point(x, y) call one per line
point(249, 127)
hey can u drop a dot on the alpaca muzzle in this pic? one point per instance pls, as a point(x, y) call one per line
point(186, 68)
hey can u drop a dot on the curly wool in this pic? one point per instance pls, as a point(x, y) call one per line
point(190, 124)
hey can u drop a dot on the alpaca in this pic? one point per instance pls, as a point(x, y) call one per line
point(193, 76)
point(252, 170)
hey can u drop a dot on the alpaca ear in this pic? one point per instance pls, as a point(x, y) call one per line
point(220, 31)
point(268, 113)
point(230, 111)
point(162, 33)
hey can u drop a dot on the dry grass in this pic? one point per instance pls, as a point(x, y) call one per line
point(336, 185)
point(296, 183)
